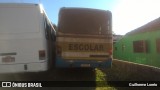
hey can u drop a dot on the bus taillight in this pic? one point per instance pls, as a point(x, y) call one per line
point(59, 50)
point(110, 52)
point(42, 55)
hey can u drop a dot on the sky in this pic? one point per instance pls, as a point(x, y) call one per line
point(127, 15)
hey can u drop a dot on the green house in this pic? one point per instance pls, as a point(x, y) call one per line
point(141, 45)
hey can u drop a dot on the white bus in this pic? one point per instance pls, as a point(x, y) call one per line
point(26, 38)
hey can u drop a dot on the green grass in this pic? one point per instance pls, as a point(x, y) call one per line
point(101, 81)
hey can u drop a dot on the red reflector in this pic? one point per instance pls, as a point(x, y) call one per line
point(42, 55)
point(110, 52)
point(59, 50)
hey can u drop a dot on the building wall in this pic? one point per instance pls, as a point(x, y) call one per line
point(123, 49)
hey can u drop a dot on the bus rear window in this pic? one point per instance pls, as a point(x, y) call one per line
point(84, 22)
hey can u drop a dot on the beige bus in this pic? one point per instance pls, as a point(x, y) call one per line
point(84, 38)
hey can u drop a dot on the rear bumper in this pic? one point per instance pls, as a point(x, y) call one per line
point(61, 63)
point(24, 67)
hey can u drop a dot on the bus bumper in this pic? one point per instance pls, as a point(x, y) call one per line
point(24, 67)
point(62, 63)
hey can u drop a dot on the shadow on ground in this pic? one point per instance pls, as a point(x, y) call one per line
point(78, 74)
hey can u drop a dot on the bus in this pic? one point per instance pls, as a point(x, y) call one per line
point(26, 38)
point(84, 38)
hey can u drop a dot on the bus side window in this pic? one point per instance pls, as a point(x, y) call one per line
point(47, 28)
point(53, 29)
point(53, 36)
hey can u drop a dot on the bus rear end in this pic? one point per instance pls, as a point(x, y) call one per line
point(84, 38)
point(23, 44)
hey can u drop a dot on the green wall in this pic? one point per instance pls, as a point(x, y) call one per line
point(152, 57)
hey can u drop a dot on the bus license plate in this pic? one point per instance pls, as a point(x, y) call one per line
point(85, 65)
point(8, 59)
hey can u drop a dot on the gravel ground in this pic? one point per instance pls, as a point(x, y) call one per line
point(126, 71)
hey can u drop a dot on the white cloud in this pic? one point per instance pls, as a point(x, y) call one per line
point(131, 14)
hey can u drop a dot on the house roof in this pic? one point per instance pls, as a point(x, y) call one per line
point(151, 26)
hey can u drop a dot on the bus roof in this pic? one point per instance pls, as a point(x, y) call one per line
point(77, 8)
point(18, 4)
